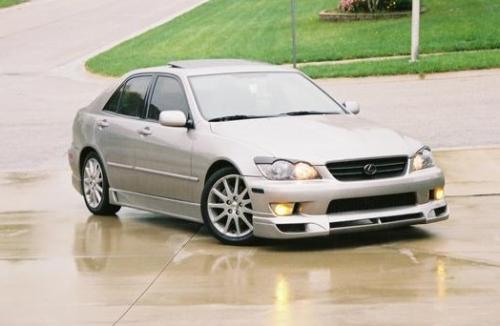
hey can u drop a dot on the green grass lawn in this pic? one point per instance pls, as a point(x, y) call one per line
point(260, 29)
point(8, 3)
point(437, 63)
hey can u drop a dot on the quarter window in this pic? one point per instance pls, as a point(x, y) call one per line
point(133, 96)
point(112, 104)
point(167, 96)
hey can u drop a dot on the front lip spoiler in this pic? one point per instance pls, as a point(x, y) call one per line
point(321, 225)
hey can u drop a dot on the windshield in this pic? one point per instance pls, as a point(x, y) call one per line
point(259, 94)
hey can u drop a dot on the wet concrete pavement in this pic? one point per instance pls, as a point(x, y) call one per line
point(61, 266)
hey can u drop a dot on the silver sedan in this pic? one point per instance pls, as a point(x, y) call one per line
point(251, 150)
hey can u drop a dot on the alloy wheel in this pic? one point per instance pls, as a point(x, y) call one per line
point(93, 183)
point(230, 207)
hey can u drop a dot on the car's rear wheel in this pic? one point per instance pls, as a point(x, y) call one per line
point(227, 208)
point(95, 186)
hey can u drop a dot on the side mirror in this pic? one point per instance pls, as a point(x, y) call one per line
point(173, 119)
point(352, 107)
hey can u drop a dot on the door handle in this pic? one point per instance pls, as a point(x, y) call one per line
point(102, 123)
point(146, 131)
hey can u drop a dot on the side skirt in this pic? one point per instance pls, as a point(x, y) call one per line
point(172, 207)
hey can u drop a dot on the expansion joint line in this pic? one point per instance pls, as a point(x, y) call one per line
point(156, 277)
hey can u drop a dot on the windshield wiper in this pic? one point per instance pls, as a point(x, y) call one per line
point(237, 117)
point(304, 112)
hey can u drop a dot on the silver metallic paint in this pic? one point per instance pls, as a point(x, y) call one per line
point(165, 171)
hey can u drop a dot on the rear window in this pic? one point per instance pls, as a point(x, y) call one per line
point(133, 96)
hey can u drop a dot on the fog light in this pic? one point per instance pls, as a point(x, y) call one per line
point(437, 193)
point(283, 209)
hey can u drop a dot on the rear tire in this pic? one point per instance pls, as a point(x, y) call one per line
point(95, 186)
point(226, 207)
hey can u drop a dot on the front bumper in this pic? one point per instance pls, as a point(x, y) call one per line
point(302, 226)
point(314, 196)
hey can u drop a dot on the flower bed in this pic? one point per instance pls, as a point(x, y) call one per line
point(374, 6)
point(335, 15)
point(368, 9)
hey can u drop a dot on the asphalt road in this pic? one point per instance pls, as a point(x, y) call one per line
point(43, 45)
point(59, 265)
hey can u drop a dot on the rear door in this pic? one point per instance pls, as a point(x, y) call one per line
point(118, 130)
point(164, 159)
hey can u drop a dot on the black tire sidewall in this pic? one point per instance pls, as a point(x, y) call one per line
point(204, 210)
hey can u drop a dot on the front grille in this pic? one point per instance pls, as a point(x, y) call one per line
point(374, 202)
point(359, 170)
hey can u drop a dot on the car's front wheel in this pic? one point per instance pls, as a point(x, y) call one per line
point(95, 186)
point(227, 208)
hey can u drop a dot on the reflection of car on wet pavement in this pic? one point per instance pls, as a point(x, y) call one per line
point(250, 149)
point(101, 242)
point(357, 274)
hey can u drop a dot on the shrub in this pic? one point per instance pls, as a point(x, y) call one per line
point(374, 5)
point(397, 5)
point(351, 5)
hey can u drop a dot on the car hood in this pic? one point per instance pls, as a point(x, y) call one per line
point(318, 138)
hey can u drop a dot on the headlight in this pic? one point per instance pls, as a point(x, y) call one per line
point(285, 170)
point(422, 159)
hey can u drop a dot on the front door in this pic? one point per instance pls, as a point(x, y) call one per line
point(163, 161)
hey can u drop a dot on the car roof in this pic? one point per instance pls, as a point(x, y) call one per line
point(213, 66)
point(213, 63)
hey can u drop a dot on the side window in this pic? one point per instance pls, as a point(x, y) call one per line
point(133, 96)
point(112, 104)
point(167, 95)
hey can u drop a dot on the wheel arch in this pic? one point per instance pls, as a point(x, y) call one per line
point(83, 154)
point(216, 166)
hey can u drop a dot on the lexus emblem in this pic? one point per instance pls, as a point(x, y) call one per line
point(370, 169)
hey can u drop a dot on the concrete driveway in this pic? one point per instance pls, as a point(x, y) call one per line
point(59, 265)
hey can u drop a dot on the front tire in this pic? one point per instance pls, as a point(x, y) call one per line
point(95, 187)
point(226, 207)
